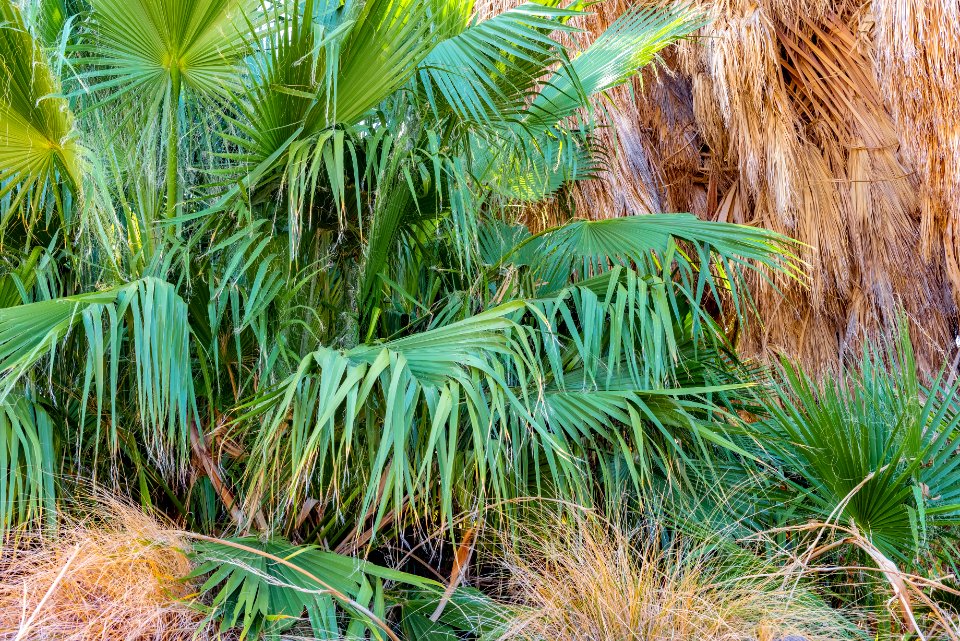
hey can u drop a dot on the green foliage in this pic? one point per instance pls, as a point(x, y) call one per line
point(872, 448)
point(40, 159)
point(147, 314)
point(483, 73)
point(266, 267)
point(270, 588)
point(265, 588)
point(628, 44)
point(138, 46)
point(294, 293)
point(27, 456)
point(467, 613)
point(362, 352)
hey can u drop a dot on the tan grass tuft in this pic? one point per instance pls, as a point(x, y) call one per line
point(115, 575)
point(581, 580)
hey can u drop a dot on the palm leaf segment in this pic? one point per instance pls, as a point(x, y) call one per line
point(274, 589)
point(331, 66)
point(542, 153)
point(485, 73)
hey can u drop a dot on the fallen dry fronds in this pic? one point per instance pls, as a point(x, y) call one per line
point(116, 575)
point(580, 580)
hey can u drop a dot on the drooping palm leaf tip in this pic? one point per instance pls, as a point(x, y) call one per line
point(831, 121)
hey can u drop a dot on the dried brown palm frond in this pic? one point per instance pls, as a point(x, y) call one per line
point(115, 575)
point(854, 200)
point(833, 121)
point(917, 56)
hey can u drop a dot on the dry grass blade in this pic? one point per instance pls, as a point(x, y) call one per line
point(905, 587)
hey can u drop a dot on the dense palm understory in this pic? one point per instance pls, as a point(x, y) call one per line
point(266, 269)
point(268, 272)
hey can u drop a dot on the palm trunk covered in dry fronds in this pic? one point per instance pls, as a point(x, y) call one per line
point(836, 122)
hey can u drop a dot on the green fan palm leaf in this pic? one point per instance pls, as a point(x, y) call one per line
point(140, 47)
point(628, 44)
point(151, 52)
point(40, 159)
point(485, 73)
point(872, 448)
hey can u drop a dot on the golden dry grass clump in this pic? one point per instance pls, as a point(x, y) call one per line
point(116, 575)
point(588, 581)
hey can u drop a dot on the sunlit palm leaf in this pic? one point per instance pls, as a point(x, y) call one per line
point(387, 42)
point(139, 45)
point(332, 393)
point(534, 157)
point(630, 43)
point(39, 154)
point(255, 592)
point(485, 73)
point(659, 244)
point(331, 64)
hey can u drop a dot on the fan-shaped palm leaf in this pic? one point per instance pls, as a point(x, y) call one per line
point(39, 155)
point(266, 587)
point(144, 47)
point(150, 50)
point(485, 73)
point(872, 448)
point(628, 44)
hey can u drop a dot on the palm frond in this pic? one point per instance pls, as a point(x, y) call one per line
point(268, 587)
point(871, 448)
point(27, 463)
point(485, 73)
point(138, 47)
point(628, 44)
point(374, 391)
point(702, 258)
point(150, 318)
point(389, 38)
